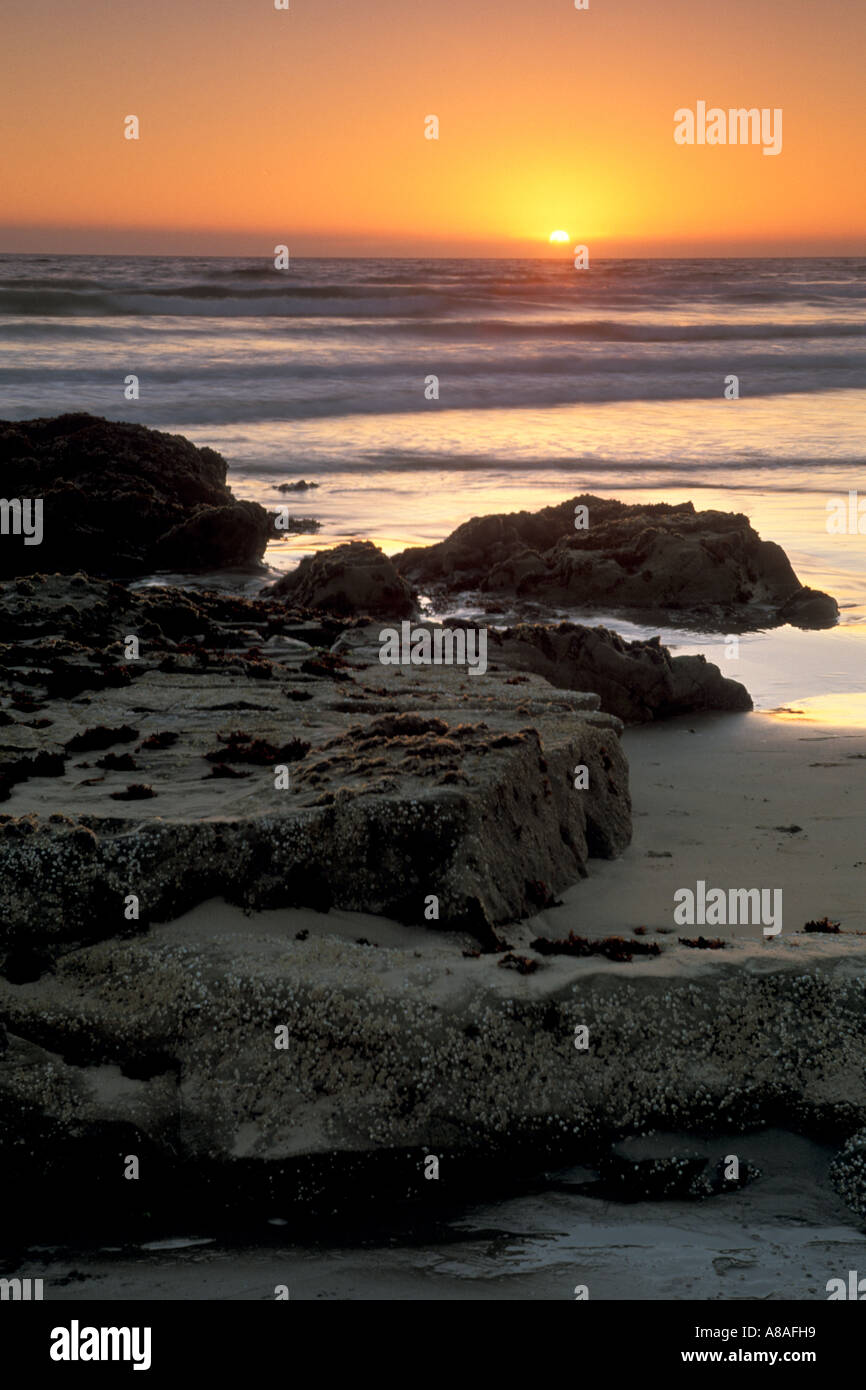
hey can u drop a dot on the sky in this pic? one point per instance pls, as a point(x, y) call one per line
point(306, 127)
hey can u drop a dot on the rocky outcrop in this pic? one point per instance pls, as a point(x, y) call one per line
point(158, 775)
point(637, 681)
point(166, 1046)
point(353, 578)
point(120, 499)
point(708, 567)
point(140, 1015)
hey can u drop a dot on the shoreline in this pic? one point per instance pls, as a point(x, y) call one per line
point(287, 923)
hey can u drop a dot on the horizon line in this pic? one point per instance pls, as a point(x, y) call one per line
point(366, 256)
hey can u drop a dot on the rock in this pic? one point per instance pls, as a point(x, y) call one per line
point(404, 782)
point(661, 1167)
point(82, 620)
point(848, 1173)
point(299, 526)
point(155, 1036)
point(215, 538)
point(637, 681)
point(809, 608)
point(718, 1181)
point(123, 499)
point(638, 1169)
point(710, 566)
point(353, 578)
point(167, 1040)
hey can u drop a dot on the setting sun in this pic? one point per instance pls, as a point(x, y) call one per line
point(559, 236)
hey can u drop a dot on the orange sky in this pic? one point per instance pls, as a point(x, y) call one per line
point(307, 127)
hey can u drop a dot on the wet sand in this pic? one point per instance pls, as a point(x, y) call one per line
point(711, 796)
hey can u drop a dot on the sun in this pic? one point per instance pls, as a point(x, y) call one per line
point(559, 236)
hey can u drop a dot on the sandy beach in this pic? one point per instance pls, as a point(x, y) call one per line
point(721, 795)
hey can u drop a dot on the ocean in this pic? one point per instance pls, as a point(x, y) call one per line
point(548, 382)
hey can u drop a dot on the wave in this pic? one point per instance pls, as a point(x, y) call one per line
point(737, 280)
point(221, 365)
point(699, 474)
point(207, 405)
point(417, 312)
point(612, 330)
point(209, 300)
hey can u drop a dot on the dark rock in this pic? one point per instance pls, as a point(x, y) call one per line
point(631, 1175)
point(659, 1167)
point(637, 681)
point(18, 769)
point(68, 634)
point(298, 526)
point(707, 566)
point(101, 737)
point(216, 538)
point(809, 608)
point(138, 791)
point(353, 578)
point(717, 1182)
point(26, 963)
point(123, 499)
